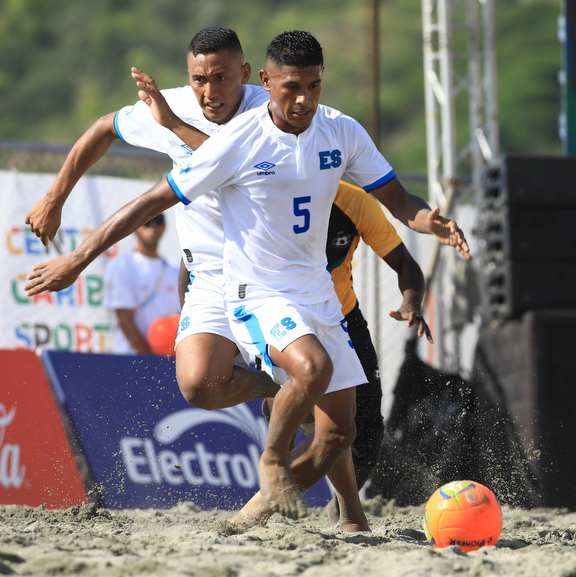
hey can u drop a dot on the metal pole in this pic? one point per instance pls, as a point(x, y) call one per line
point(430, 98)
point(375, 70)
point(475, 91)
point(445, 54)
point(375, 122)
point(490, 85)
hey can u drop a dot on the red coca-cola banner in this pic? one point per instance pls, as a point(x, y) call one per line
point(37, 466)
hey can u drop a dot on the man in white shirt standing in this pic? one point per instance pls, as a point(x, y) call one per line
point(277, 169)
point(141, 287)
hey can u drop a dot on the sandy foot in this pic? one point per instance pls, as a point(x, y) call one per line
point(279, 492)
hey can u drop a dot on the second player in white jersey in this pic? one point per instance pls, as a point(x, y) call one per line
point(276, 191)
point(199, 228)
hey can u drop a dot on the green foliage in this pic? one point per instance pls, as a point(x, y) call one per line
point(65, 62)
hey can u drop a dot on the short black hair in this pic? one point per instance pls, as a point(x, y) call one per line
point(214, 39)
point(295, 48)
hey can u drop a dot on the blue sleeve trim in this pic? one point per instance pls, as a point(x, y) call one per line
point(381, 181)
point(176, 189)
point(117, 128)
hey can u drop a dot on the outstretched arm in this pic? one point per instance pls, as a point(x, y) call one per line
point(149, 93)
point(64, 270)
point(45, 216)
point(411, 285)
point(415, 213)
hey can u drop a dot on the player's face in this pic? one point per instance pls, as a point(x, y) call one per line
point(216, 80)
point(294, 94)
point(149, 234)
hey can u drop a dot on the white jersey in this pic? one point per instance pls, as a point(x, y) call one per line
point(199, 227)
point(149, 286)
point(276, 193)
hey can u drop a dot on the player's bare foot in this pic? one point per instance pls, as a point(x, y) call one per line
point(353, 527)
point(239, 523)
point(255, 512)
point(279, 491)
point(351, 517)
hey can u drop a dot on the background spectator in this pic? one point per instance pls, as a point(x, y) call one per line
point(141, 286)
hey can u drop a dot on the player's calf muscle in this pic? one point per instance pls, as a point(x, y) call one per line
point(331, 443)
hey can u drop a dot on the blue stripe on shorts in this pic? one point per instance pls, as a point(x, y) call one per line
point(255, 332)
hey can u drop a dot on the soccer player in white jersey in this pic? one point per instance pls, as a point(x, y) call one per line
point(274, 251)
point(217, 92)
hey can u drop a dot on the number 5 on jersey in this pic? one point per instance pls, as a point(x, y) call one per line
point(301, 211)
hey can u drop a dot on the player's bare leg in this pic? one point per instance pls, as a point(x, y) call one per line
point(335, 424)
point(351, 517)
point(256, 511)
point(333, 508)
point(208, 378)
point(309, 369)
point(345, 508)
point(334, 433)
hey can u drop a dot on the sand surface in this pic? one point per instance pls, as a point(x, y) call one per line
point(182, 541)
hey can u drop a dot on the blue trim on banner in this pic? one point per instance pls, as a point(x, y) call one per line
point(52, 376)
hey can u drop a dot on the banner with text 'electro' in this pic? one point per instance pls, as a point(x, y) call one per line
point(146, 447)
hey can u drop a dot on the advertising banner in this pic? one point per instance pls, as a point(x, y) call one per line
point(37, 466)
point(72, 319)
point(146, 447)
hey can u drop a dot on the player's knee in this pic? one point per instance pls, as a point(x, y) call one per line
point(315, 372)
point(200, 391)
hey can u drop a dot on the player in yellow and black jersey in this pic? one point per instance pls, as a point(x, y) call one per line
point(358, 215)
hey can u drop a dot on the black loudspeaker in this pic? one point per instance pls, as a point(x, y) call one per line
point(527, 233)
point(530, 181)
point(516, 286)
point(532, 363)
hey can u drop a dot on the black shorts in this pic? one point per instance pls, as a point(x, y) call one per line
point(369, 422)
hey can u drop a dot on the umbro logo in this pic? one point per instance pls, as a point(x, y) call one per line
point(264, 165)
point(264, 168)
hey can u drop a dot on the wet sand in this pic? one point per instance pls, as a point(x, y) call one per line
point(184, 542)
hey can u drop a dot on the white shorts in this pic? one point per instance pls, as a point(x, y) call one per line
point(203, 311)
point(277, 322)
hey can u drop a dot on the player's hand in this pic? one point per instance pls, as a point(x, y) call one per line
point(415, 319)
point(149, 93)
point(44, 219)
point(448, 232)
point(53, 275)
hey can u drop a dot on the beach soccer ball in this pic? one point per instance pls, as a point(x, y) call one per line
point(162, 334)
point(463, 513)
